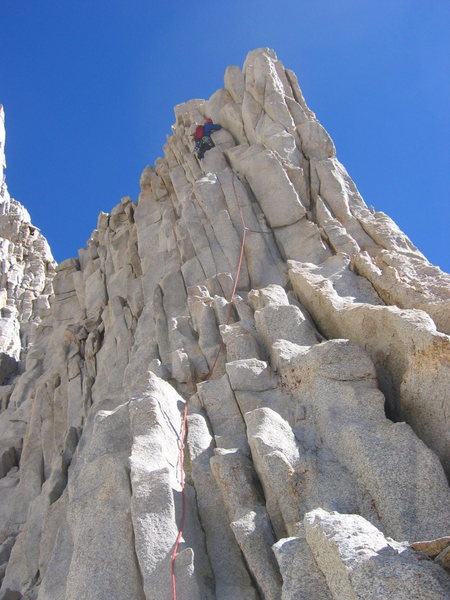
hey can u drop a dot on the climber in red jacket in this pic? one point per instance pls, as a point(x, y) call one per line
point(202, 136)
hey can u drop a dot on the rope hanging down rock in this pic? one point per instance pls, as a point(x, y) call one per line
point(245, 229)
point(183, 431)
point(183, 500)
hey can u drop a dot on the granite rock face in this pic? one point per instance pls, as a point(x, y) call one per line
point(315, 378)
point(26, 274)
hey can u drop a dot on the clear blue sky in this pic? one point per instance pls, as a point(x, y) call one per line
point(89, 88)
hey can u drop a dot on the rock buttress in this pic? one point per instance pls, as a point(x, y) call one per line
point(296, 480)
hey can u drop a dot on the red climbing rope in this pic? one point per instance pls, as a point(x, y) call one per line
point(238, 272)
point(183, 500)
point(185, 414)
point(184, 429)
point(236, 279)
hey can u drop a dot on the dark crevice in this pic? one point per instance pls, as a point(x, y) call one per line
point(10, 595)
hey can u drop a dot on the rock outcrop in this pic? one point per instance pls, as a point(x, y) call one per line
point(27, 269)
point(26, 275)
point(252, 300)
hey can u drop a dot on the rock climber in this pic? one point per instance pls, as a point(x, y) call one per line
point(202, 136)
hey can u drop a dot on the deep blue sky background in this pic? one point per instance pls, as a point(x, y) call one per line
point(89, 88)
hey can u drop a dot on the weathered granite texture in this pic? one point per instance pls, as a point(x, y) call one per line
point(318, 401)
point(27, 270)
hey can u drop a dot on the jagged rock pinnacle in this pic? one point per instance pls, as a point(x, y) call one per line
point(307, 339)
point(3, 188)
point(27, 270)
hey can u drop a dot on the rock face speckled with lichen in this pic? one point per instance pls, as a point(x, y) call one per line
point(297, 483)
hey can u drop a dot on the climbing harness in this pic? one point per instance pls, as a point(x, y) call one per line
point(206, 144)
point(185, 412)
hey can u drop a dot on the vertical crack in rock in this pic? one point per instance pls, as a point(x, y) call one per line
point(296, 482)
